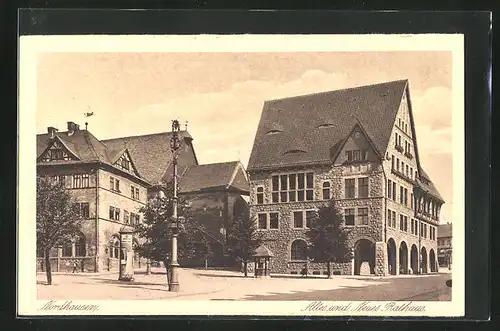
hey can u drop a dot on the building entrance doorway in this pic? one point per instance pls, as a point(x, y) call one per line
point(423, 260)
point(403, 258)
point(364, 251)
point(391, 256)
point(414, 259)
point(432, 260)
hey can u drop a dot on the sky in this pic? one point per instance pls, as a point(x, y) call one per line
point(221, 96)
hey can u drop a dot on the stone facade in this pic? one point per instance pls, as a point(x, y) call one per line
point(98, 229)
point(391, 230)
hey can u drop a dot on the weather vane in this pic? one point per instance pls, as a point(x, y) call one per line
point(87, 115)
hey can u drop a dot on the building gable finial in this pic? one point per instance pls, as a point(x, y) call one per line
point(186, 125)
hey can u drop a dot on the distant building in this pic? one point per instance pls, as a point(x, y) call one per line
point(357, 147)
point(112, 179)
point(445, 246)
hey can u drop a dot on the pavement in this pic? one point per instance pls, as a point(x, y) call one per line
point(197, 284)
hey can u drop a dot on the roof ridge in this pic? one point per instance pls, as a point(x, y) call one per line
point(338, 90)
point(144, 135)
point(86, 136)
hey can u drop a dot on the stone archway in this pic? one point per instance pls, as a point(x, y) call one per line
point(364, 251)
point(391, 256)
point(423, 260)
point(432, 260)
point(403, 258)
point(414, 259)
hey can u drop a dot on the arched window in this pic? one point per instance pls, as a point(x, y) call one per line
point(114, 251)
point(80, 249)
point(326, 191)
point(260, 195)
point(299, 250)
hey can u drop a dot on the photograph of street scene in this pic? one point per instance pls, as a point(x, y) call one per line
point(316, 176)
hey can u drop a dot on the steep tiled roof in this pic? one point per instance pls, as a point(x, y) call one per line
point(430, 187)
point(151, 153)
point(211, 176)
point(444, 230)
point(304, 129)
point(82, 144)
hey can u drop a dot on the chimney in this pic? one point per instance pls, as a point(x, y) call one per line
point(72, 127)
point(52, 131)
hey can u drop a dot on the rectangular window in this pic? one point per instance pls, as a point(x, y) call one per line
point(82, 209)
point(293, 187)
point(389, 188)
point(132, 192)
point(309, 218)
point(394, 191)
point(111, 183)
point(137, 219)
point(349, 155)
point(298, 219)
point(114, 213)
point(364, 154)
point(356, 155)
point(284, 182)
point(126, 217)
point(401, 222)
point(326, 191)
point(394, 219)
point(85, 210)
point(310, 182)
point(363, 187)
point(301, 181)
point(117, 185)
point(77, 181)
point(411, 201)
point(349, 188)
point(349, 216)
point(363, 216)
point(85, 180)
point(292, 180)
point(260, 195)
point(401, 194)
point(407, 170)
point(405, 223)
point(392, 162)
point(262, 221)
point(397, 164)
point(273, 220)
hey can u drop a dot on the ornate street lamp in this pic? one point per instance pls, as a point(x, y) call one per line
point(174, 225)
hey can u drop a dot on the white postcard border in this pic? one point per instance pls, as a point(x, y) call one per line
point(31, 46)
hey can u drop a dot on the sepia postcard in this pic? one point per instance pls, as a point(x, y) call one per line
point(241, 175)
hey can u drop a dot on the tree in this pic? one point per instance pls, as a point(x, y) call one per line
point(328, 237)
point(155, 230)
point(57, 220)
point(242, 236)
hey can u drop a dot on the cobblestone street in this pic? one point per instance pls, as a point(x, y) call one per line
point(228, 285)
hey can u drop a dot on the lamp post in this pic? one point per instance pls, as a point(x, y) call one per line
point(174, 145)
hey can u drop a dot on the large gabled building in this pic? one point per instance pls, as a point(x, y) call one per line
point(355, 146)
point(112, 179)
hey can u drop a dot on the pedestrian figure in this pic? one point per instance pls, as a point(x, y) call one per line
point(304, 271)
point(74, 267)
